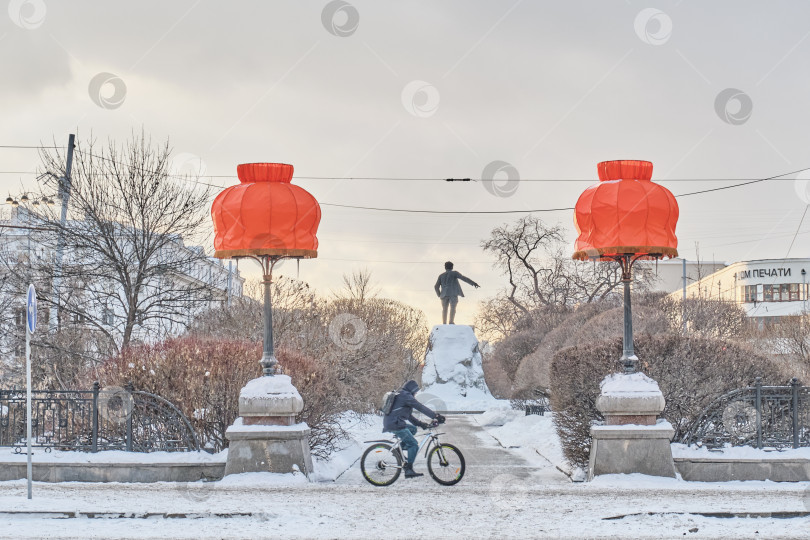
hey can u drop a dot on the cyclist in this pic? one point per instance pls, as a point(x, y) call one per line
point(402, 412)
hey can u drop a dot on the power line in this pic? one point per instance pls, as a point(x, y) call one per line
point(479, 212)
point(392, 179)
point(22, 146)
point(410, 211)
point(797, 230)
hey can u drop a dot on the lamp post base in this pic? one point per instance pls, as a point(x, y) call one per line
point(269, 365)
point(265, 437)
point(632, 441)
point(630, 364)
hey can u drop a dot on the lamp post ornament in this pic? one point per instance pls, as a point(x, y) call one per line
point(267, 219)
point(626, 218)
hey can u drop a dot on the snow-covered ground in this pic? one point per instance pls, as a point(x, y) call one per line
point(515, 487)
point(533, 437)
point(739, 452)
point(39, 455)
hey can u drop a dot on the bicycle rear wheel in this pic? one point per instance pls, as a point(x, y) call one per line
point(380, 465)
point(446, 464)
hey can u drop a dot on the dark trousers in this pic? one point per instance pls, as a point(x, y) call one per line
point(409, 443)
point(452, 302)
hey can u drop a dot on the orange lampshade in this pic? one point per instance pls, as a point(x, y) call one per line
point(265, 215)
point(626, 213)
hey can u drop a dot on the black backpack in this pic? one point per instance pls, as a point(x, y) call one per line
point(388, 401)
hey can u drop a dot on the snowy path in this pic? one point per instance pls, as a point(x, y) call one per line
point(486, 459)
point(501, 496)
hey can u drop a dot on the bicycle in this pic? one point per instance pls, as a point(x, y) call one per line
point(382, 461)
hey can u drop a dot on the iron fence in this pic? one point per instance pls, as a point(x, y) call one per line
point(760, 416)
point(110, 418)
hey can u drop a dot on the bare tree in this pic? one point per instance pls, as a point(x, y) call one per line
point(540, 272)
point(119, 260)
point(366, 343)
point(358, 286)
point(786, 339)
point(296, 316)
point(706, 317)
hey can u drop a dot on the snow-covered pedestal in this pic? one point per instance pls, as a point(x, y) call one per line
point(265, 437)
point(453, 376)
point(632, 440)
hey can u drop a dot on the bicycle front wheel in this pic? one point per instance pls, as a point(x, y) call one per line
point(381, 466)
point(446, 464)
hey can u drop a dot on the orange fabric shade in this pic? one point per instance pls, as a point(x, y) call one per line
point(265, 215)
point(626, 213)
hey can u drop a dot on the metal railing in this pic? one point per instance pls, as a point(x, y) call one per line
point(539, 404)
point(759, 416)
point(110, 418)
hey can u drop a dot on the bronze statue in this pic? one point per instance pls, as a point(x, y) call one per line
point(448, 289)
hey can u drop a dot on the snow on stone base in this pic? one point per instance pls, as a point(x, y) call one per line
point(262, 387)
point(453, 376)
point(635, 383)
point(453, 356)
point(270, 396)
point(239, 426)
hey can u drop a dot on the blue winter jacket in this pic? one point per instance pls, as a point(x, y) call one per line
point(403, 407)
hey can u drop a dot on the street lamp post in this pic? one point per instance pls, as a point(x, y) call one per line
point(269, 362)
point(267, 219)
point(625, 218)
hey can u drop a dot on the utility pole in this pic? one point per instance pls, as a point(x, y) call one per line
point(64, 194)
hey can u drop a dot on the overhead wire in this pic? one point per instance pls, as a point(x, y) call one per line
point(196, 180)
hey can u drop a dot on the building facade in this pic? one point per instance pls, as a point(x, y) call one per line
point(766, 289)
point(94, 306)
point(671, 273)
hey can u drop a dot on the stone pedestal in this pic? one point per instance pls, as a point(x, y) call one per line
point(633, 439)
point(265, 437)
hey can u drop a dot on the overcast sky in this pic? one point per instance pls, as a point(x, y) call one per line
point(431, 90)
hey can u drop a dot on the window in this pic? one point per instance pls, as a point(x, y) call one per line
point(794, 292)
point(19, 350)
point(784, 292)
point(108, 317)
point(77, 318)
point(750, 293)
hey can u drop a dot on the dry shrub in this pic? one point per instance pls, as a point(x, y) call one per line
point(588, 323)
point(316, 382)
point(706, 317)
point(498, 382)
point(369, 344)
point(203, 378)
point(508, 353)
point(372, 346)
point(690, 370)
